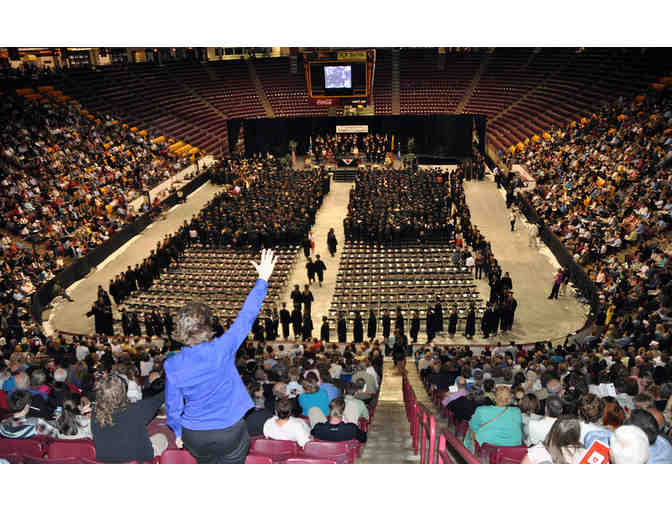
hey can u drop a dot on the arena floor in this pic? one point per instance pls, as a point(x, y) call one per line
point(531, 269)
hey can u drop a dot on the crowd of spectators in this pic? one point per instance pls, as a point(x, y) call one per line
point(589, 390)
point(603, 188)
point(65, 185)
point(66, 388)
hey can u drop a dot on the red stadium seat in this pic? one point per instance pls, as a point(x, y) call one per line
point(75, 448)
point(337, 451)
point(177, 457)
point(258, 459)
point(306, 460)
point(27, 459)
point(275, 449)
point(30, 447)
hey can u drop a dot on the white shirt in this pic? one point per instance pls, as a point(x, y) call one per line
point(146, 367)
point(82, 351)
point(295, 429)
point(538, 430)
point(294, 389)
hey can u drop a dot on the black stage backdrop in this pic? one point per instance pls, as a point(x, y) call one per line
point(437, 135)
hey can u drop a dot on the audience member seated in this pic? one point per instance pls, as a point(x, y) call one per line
point(336, 429)
point(284, 426)
point(354, 407)
point(561, 446)
point(313, 396)
point(629, 445)
point(498, 425)
point(20, 425)
point(257, 416)
point(74, 422)
point(537, 430)
point(590, 409)
point(119, 427)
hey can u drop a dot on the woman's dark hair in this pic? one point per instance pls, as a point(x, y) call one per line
point(283, 408)
point(488, 385)
point(66, 423)
point(193, 324)
point(590, 408)
point(519, 378)
point(565, 432)
point(529, 403)
point(613, 415)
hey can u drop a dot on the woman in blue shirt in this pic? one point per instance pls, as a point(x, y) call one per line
point(313, 395)
point(206, 399)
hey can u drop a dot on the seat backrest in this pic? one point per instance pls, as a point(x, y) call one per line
point(258, 459)
point(275, 449)
point(74, 448)
point(305, 460)
point(177, 457)
point(31, 447)
point(3, 400)
point(337, 451)
point(509, 455)
point(27, 459)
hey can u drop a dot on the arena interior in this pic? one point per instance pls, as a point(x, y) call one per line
point(472, 254)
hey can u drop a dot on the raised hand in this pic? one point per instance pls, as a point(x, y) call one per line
point(265, 267)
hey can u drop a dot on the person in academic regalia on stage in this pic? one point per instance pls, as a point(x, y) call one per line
point(332, 242)
point(487, 321)
point(342, 328)
point(268, 326)
point(372, 326)
point(452, 322)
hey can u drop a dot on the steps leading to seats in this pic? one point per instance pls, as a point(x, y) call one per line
point(260, 90)
point(396, 101)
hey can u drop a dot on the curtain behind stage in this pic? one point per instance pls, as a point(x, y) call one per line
point(437, 135)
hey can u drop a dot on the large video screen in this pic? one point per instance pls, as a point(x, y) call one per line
point(337, 77)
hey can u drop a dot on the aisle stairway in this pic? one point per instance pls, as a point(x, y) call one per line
point(396, 101)
point(389, 439)
point(331, 214)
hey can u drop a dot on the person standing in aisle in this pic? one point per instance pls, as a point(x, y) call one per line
point(372, 326)
point(319, 268)
point(342, 328)
point(285, 319)
point(358, 328)
point(559, 276)
point(332, 242)
point(310, 270)
point(415, 326)
point(324, 330)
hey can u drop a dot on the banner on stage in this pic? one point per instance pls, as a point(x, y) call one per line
point(352, 129)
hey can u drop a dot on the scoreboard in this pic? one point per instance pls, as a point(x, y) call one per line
point(339, 77)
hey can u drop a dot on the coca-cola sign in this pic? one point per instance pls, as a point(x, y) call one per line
point(324, 101)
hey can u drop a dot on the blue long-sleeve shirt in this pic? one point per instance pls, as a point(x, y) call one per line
point(204, 390)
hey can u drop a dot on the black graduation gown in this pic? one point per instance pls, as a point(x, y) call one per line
point(99, 319)
point(332, 242)
point(438, 317)
point(324, 332)
point(258, 330)
point(307, 328)
point(358, 330)
point(126, 324)
point(371, 326)
point(399, 323)
point(430, 322)
point(486, 321)
point(386, 326)
point(268, 325)
point(415, 328)
point(297, 298)
point(285, 319)
point(470, 328)
point(342, 330)
point(297, 321)
point(452, 323)
point(496, 314)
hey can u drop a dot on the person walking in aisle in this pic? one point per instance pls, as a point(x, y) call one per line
point(342, 329)
point(319, 268)
point(332, 242)
point(512, 219)
point(310, 270)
